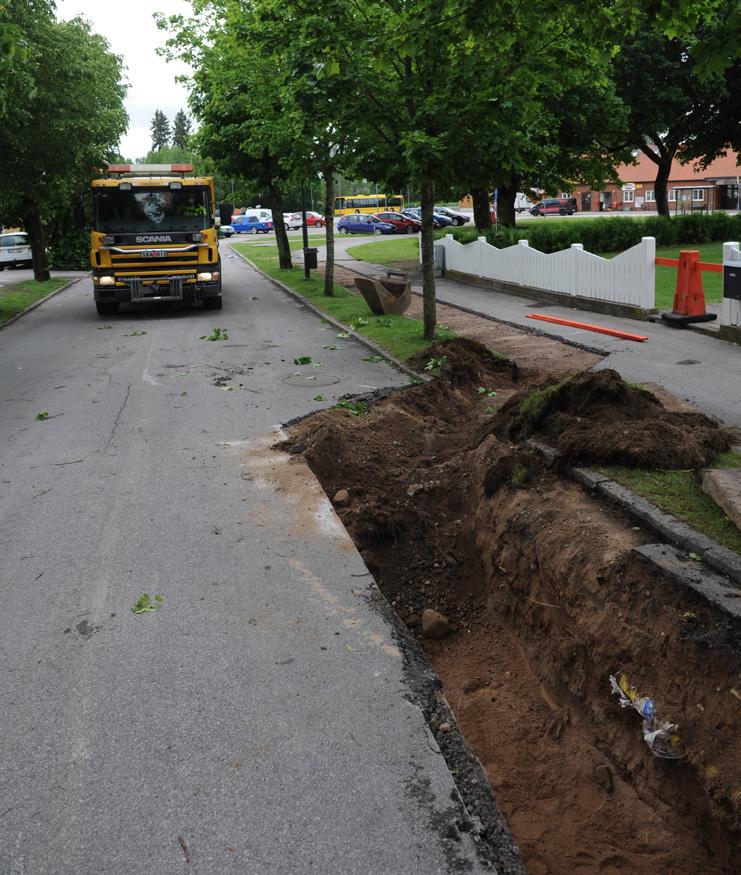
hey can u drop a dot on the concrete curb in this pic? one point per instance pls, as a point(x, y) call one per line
point(42, 300)
point(720, 558)
point(687, 539)
point(297, 296)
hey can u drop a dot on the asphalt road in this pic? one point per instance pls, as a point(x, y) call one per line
point(260, 721)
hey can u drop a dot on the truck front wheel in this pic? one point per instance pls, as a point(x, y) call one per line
point(212, 303)
point(106, 308)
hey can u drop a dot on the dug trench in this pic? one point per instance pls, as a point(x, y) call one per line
point(542, 601)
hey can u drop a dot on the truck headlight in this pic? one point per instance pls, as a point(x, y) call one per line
point(109, 240)
point(204, 277)
point(197, 237)
point(107, 281)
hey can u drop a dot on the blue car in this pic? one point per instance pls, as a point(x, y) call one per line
point(363, 224)
point(438, 220)
point(251, 225)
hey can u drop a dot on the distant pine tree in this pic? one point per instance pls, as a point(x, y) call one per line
point(160, 129)
point(181, 130)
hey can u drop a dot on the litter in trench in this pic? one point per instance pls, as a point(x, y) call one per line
point(532, 598)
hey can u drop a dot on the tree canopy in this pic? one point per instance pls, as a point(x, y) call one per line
point(63, 117)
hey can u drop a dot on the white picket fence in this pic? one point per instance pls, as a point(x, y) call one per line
point(730, 311)
point(629, 278)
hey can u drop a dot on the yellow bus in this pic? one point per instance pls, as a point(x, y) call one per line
point(368, 203)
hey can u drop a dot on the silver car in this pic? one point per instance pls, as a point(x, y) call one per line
point(15, 251)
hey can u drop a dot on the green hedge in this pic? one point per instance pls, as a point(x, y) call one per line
point(613, 234)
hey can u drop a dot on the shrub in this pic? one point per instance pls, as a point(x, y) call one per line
point(613, 234)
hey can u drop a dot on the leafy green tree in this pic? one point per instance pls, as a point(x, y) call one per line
point(181, 130)
point(159, 128)
point(669, 104)
point(67, 118)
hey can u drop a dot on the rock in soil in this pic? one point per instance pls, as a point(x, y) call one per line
point(341, 498)
point(434, 624)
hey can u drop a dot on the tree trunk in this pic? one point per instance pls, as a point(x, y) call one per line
point(506, 202)
point(481, 208)
point(35, 231)
point(428, 259)
point(661, 184)
point(279, 226)
point(329, 230)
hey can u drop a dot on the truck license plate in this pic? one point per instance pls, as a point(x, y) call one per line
point(154, 253)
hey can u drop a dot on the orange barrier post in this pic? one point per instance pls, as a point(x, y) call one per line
point(689, 297)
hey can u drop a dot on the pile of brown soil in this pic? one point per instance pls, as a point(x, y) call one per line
point(597, 418)
point(545, 600)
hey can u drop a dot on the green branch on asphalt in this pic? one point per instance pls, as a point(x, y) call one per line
point(16, 297)
point(400, 335)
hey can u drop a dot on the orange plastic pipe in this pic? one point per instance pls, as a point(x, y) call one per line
point(613, 332)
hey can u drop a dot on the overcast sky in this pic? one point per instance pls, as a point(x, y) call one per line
point(129, 27)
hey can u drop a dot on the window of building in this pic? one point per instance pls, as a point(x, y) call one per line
point(698, 194)
point(672, 195)
point(628, 197)
point(650, 197)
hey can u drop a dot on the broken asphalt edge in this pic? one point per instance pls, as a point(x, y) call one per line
point(719, 590)
point(473, 794)
point(297, 296)
point(43, 300)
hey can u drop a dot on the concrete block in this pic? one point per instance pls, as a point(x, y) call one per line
point(674, 564)
point(723, 485)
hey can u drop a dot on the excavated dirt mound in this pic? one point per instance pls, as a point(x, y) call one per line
point(596, 418)
point(545, 600)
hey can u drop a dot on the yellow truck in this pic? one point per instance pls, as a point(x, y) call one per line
point(153, 237)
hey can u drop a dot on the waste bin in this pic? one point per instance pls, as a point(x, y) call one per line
point(310, 258)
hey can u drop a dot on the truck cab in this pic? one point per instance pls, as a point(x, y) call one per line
point(154, 237)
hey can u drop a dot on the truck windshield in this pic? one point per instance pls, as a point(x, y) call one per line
point(152, 209)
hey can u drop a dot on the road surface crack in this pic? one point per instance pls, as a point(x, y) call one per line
point(117, 420)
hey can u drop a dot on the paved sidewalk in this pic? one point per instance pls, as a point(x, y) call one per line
point(703, 370)
point(262, 721)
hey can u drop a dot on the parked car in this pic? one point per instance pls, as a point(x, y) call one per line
point(314, 219)
point(292, 221)
point(438, 220)
point(251, 223)
point(457, 217)
point(226, 230)
point(363, 223)
point(402, 224)
point(562, 206)
point(15, 251)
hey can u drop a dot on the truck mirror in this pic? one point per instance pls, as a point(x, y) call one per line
point(226, 211)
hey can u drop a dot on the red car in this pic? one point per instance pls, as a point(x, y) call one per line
point(314, 219)
point(402, 224)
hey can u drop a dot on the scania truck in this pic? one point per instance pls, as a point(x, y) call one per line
point(153, 237)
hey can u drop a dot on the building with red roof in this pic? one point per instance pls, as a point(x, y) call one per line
point(690, 187)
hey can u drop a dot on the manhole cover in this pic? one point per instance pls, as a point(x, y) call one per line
point(310, 380)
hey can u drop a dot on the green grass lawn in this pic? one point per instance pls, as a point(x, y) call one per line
point(16, 297)
point(401, 336)
point(679, 493)
point(404, 248)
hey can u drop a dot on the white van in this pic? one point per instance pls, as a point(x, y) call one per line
point(15, 251)
point(522, 203)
